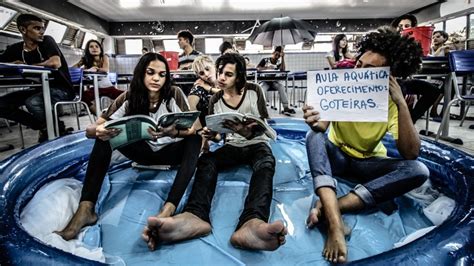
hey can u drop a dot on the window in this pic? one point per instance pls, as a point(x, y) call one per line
point(249, 47)
point(322, 47)
point(6, 15)
point(171, 45)
point(88, 36)
point(55, 30)
point(133, 46)
point(212, 45)
point(294, 47)
point(471, 31)
point(456, 28)
point(439, 26)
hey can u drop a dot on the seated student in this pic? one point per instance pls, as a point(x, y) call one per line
point(242, 147)
point(227, 47)
point(204, 87)
point(150, 94)
point(339, 51)
point(438, 48)
point(438, 44)
point(95, 60)
point(144, 50)
point(354, 149)
point(276, 62)
point(248, 64)
point(41, 50)
point(428, 91)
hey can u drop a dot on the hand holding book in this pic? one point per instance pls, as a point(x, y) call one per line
point(248, 126)
point(169, 131)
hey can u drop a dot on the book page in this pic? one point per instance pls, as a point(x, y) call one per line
point(183, 120)
point(133, 128)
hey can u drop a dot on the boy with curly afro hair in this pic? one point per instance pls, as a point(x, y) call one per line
point(354, 149)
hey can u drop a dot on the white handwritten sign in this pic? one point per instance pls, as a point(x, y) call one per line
point(350, 94)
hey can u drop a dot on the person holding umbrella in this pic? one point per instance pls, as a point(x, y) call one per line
point(276, 62)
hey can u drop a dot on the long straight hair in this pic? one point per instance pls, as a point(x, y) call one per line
point(138, 100)
point(336, 46)
point(88, 58)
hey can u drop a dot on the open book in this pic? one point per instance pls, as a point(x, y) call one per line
point(216, 123)
point(135, 127)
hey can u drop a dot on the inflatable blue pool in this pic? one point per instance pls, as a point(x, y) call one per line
point(131, 194)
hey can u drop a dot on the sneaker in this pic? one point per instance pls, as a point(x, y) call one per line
point(288, 111)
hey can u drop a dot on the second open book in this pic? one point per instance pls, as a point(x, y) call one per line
point(216, 123)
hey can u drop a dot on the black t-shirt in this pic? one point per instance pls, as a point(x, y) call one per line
point(46, 49)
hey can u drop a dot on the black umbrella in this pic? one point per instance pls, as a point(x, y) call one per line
point(281, 31)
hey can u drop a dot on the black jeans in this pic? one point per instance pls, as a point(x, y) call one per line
point(257, 203)
point(33, 100)
point(185, 153)
point(428, 91)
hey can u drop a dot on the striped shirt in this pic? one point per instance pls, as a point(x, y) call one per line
point(187, 59)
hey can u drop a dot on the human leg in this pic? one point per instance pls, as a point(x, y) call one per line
point(429, 93)
point(85, 215)
point(253, 230)
point(384, 179)
point(325, 159)
point(194, 221)
point(283, 97)
point(10, 108)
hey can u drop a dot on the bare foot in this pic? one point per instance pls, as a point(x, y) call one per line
point(170, 229)
point(257, 234)
point(85, 215)
point(167, 210)
point(335, 249)
point(315, 215)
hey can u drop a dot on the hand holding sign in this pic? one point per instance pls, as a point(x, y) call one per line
point(350, 94)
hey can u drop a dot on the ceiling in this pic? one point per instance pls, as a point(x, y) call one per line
point(211, 10)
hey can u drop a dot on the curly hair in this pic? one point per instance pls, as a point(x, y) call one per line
point(403, 54)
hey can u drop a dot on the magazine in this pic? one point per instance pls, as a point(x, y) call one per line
point(216, 123)
point(135, 127)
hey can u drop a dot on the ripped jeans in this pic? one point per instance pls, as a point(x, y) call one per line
point(379, 179)
point(257, 203)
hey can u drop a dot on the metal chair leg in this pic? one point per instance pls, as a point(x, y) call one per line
point(445, 117)
point(465, 114)
point(21, 136)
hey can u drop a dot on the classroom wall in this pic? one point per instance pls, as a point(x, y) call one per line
point(156, 28)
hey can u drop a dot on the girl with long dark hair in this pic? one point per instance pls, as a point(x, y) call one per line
point(339, 51)
point(94, 60)
point(150, 94)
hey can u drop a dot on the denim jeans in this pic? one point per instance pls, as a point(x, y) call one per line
point(35, 118)
point(258, 201)
point(379, 179)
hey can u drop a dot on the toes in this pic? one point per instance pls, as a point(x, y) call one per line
point(312, 218)
point(341, 259)
point(281, 240)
